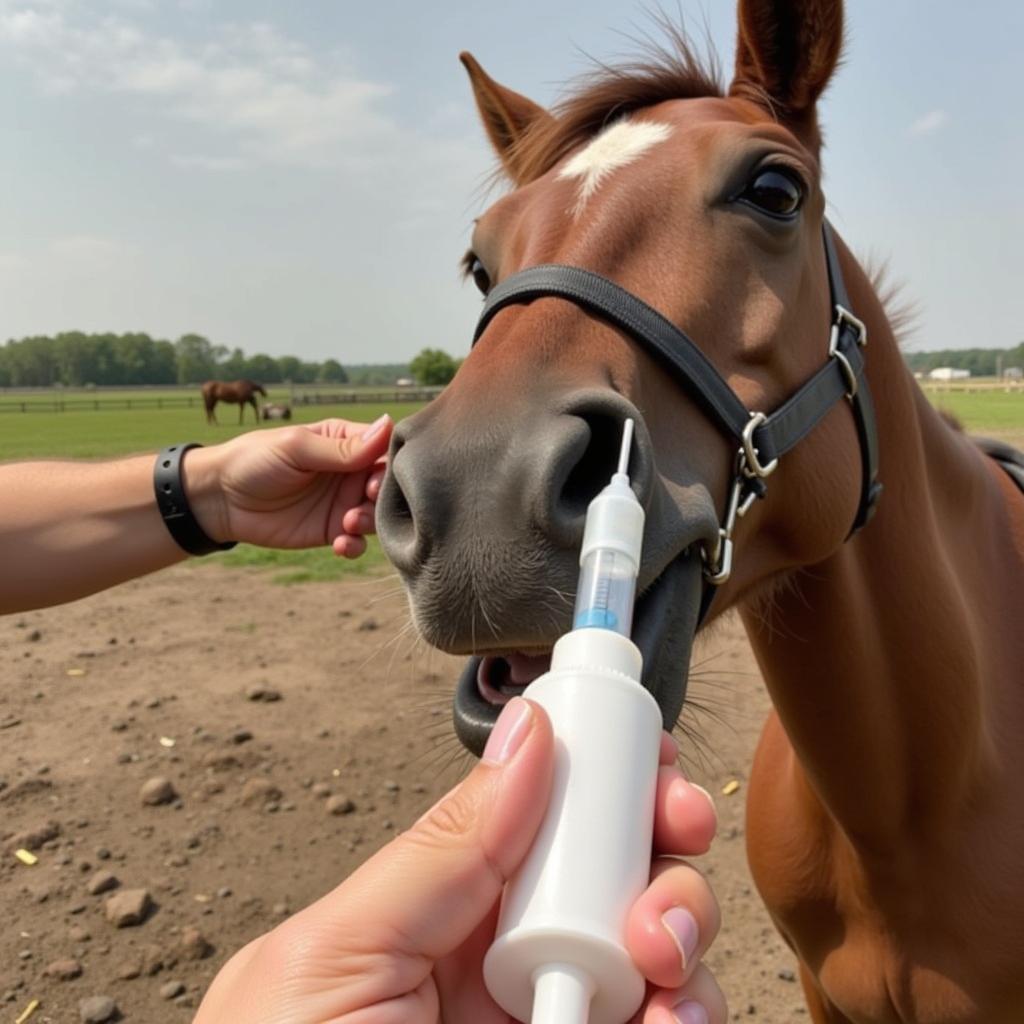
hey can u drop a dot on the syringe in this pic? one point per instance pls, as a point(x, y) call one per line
point(559, 954)
point(610, 556)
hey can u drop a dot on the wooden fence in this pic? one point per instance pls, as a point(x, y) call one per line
point(105, 404)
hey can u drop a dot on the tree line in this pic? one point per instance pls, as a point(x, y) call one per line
point(76, 359)
point(982, 362)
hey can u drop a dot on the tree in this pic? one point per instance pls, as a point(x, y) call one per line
point(332, 372)
point(197, 358)
point(289, 368)
point(433, 367)
point(261, 368)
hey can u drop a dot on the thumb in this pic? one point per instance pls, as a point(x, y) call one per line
point(320, 453)
point(423, 895)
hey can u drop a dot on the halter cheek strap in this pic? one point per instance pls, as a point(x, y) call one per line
point(762, 438)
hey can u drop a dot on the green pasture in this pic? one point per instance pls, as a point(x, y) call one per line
point(993, 411)
point(88, 434)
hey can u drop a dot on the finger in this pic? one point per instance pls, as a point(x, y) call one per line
point(669, 751)
point(699, 1001)
point(359, 520)
point(347, 546)
point(423, 895)
point(684, 815)
point(672, 923)
point(375, 480)
point(318, 453)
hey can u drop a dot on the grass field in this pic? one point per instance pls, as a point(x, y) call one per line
point(996, 412)
point(86, 434)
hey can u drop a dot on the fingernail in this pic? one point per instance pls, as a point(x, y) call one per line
point(509, 731)
point(682, 926)
point(689, 1011)
point(711, 799)
point(374, 428)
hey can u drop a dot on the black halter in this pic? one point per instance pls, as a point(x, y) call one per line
point(762, 438)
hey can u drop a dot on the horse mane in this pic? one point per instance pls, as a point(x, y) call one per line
point(661, 71)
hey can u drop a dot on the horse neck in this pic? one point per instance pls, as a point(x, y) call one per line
point(879, 660)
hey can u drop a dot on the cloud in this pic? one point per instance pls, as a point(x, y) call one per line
point(930, 123)
point(270, 97)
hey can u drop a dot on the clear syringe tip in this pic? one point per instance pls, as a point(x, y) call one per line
point(610, 556)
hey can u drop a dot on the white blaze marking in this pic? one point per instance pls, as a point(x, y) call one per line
point(615, 147)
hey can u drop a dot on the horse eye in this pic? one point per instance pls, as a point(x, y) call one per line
point(480, 276)
point(775, 192)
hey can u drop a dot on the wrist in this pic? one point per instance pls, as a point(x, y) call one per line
point(201, 473)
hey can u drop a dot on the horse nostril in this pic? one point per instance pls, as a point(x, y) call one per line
point(595, 467)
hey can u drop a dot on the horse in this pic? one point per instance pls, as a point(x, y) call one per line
point(242, 392)
point(886, 798)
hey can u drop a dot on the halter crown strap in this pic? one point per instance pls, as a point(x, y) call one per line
point(763, 438)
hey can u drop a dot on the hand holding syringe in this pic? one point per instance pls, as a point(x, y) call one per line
point(560, 955)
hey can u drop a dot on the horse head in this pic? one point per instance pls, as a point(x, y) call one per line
point(707, 204)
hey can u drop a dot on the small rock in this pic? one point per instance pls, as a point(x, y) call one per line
point(339, 805)
point(220, 761)
point(193, 945)
point(103, 853)
point(177, 860)
point(262, 692)
point(102, 881)
point(322, 790)
point(260, 791)
point(391, 786)
point(280, 910)
point(785, 974)
point(25, 954)
point(171, 989)
point(63, 970)
point(157, 791)
point(33, 838)
point(34, 637)
point(153, 960)
point(78, 933)
point(97, 1009)
point(418, 787)
point(128, 908)
point(240, 736)
point(368, 626)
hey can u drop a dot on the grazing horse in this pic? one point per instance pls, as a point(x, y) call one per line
point(242, 392)
point(886, 801)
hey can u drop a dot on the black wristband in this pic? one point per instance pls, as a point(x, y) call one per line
point(173, 503)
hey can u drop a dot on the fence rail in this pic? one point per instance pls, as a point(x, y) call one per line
point(51, 405)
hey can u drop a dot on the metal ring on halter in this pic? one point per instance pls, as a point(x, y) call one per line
point(753, 465)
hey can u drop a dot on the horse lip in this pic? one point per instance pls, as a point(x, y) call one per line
point(665, 625)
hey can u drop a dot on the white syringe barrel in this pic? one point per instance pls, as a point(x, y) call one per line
point(563, 915)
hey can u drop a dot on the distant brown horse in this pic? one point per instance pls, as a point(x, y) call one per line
point(242, 392)
point(886, 801)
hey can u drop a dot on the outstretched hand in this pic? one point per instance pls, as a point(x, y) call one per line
point(403, 939)
point(292, 487)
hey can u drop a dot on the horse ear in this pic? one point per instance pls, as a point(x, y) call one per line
point(507, 116)
point(786, 53)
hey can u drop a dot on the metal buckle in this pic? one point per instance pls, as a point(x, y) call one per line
point(751, 462)
point(718, 566)
point(844, 316)
point(843, 319)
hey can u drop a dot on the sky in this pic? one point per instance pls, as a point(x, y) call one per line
point(302, 178)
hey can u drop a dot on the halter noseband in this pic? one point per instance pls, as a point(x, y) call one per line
point(762, 438)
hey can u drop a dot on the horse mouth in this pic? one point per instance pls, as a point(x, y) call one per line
point(664, 626)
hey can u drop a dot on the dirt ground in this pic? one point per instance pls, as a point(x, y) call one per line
point(150, 680)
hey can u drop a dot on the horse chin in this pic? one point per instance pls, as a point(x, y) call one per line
point(664, 626)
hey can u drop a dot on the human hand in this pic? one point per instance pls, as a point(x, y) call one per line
point(292, 487)
point(403, 938)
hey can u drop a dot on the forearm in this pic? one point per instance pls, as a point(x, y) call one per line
point(68, 529)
